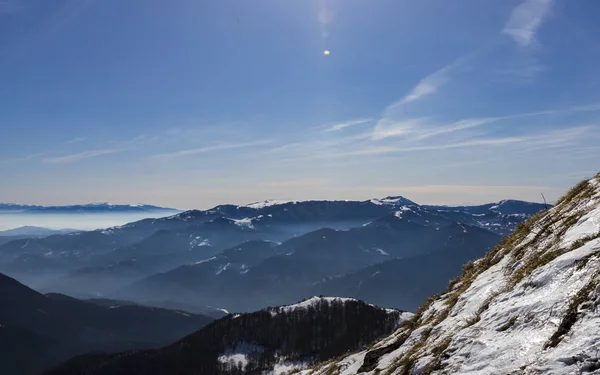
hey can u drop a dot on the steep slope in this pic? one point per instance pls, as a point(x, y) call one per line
point(273, 341)
point(37, 331)
point(530, 306)
point(406, 282)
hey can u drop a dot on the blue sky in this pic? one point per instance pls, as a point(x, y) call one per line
point(191, 103)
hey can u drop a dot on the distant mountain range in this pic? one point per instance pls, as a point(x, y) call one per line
point(85, 208)
point(253, 274)
point(26, 232)
point(245, 257)
point(31, 231)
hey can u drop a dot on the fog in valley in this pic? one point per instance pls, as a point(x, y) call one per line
point(71, 221)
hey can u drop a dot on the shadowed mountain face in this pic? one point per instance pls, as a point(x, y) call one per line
point(279, 274)
point(405, 282)
point(296, 335)
point(37, 331)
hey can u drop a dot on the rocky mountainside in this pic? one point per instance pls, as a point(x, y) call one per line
point(530, 306)
point(274, 340)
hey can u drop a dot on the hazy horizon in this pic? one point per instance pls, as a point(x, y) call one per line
point(431, 194)
point(92, 221)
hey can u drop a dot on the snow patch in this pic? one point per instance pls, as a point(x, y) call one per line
point(308, 303)
point(391, 201)
point(380, 251)
point(222, 267)
point(403, 210)
point(268, 203)
point(206, 260)
point(239, 354)
point(284, 366)
point(199, 241)
point(244, 223)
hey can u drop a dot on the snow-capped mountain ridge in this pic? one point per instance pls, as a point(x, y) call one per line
point(531, 305)
point(272, 213)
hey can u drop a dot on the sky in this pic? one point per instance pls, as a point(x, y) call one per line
point(190, 104)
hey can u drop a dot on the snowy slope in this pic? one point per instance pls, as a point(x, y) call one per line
point(530, 306)
point(315, 301)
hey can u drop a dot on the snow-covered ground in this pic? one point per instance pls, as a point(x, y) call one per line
point(268, 203)
point(307, 303)
point(530, 307)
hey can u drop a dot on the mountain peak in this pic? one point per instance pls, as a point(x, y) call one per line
point(393, 201)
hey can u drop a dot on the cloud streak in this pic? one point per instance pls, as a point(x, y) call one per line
point(421, 128)
point(523, 143)
point(432, 83)
point(76, 140)
point(526, 19)
point(201, 150)
point(345, 125)
point(428, 85)
point(78, 156)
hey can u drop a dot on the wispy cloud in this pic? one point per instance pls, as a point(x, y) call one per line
point(375, 150)
point(526, 142)
point(421, 128)
point(214, 147)
point(586, 108)
point(78, 156)
point(428, 85)
point(25, 158)
point(456, 126)
point(76, 140)
point(431, 84)
point(386, 128)
point(345, 125)
point(526, 19)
